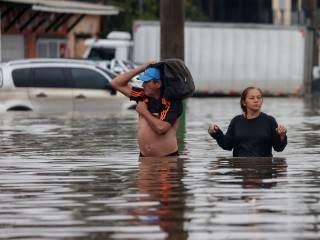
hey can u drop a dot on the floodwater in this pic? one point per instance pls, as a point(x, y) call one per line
point(78, 176)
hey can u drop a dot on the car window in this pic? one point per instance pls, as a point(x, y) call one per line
point(49, 78)
point(21, 76)
point(87, 78)
point(102, 53)
point(110, 74)
point(129, 65)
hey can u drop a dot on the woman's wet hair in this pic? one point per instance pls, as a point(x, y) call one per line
point(244, 95)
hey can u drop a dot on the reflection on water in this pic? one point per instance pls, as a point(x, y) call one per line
point(251, 173)
point(161, 196)
point(78, 176)
point(243, 201)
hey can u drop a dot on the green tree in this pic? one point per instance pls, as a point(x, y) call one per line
point(143, 10)
point(193, 12)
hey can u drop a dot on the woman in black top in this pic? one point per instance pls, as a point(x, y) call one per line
point(254, 133)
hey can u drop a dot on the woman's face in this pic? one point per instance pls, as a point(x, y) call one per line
point(253, 100)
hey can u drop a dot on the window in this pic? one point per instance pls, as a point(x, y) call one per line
point(42, 50)
point(87, 78)
point(102, 53)
point(21, 76)
point(49, 78)
point(51, 48)
point(110, 74)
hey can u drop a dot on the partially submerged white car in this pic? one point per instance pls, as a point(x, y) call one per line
point(122, 66)
point(58, 85)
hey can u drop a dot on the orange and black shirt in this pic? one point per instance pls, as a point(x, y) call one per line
point(168, 110)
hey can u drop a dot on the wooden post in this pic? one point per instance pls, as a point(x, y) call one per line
point(172, 44)
point(311, 7)
point(314, 26)
point(172, 29)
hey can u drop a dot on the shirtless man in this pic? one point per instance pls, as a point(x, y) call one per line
point(158, 117)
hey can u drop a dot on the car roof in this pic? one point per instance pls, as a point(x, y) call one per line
point(48, 61)
point(56, 62)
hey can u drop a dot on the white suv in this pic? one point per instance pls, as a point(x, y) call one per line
point(57, 85)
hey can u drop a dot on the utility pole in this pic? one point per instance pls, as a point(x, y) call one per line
point(0, 40)
point(172, 44)
point(311, 7)
point(172, 29)
point(314, 26)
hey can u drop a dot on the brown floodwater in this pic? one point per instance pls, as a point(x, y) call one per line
point(78, 176)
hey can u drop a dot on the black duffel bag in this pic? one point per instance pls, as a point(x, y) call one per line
point(177, 79)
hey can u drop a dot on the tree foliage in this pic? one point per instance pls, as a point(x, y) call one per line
point(143, 10)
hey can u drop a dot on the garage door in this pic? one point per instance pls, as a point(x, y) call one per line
point(12, 47)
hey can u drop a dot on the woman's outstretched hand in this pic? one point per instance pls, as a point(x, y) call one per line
point(213, 129)
point(282, 131)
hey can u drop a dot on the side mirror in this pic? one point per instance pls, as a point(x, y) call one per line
point(111, 89)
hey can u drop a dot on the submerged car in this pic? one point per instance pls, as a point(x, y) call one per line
point(57, 85)
point(122, 66)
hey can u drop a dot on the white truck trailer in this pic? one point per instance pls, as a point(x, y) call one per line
point(226, 58)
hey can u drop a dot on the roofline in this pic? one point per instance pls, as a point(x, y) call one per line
point(74, 10)
point(73, 7)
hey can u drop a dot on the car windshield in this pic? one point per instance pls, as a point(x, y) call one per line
point(102, 53)
point(111, 74)
point(129, 65)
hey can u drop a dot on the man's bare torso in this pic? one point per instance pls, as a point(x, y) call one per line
point(152, 144)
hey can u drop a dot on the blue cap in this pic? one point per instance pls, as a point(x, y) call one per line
point(149, 74)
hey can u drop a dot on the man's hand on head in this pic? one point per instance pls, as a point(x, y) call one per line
point(147, 64)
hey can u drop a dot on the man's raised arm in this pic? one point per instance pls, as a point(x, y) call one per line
point(120, 83)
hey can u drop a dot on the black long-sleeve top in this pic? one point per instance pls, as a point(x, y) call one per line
point(251, 137)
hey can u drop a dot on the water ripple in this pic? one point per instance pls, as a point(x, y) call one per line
point(78, 176)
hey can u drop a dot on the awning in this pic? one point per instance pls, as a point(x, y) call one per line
point(71, 7)
point(42, 13)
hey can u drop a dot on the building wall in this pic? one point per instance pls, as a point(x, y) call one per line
point(89, 27)
point(43, 34)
